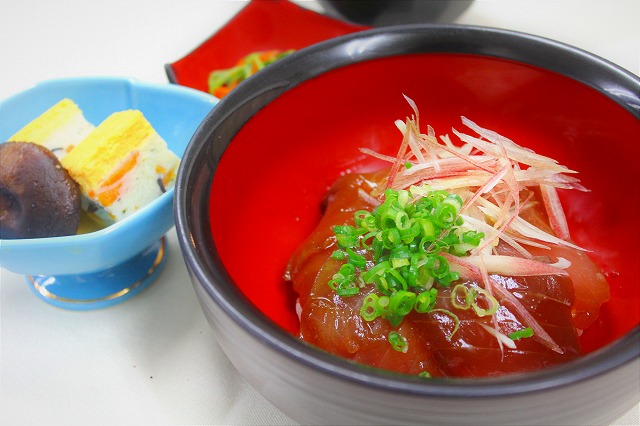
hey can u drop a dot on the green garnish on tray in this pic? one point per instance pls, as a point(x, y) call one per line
point(221, 82)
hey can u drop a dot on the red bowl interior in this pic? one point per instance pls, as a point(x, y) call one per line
point(267, 189)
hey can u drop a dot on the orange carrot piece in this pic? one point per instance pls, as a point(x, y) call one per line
point(110, 187)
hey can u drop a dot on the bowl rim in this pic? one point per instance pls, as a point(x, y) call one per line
point(207, 270)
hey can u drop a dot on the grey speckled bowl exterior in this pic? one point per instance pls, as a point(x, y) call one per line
point(313, 387)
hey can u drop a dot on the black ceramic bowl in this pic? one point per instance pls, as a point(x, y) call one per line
point(379, 13)
point(253, 176)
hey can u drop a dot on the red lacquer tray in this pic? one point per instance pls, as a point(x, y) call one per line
point(260, 25)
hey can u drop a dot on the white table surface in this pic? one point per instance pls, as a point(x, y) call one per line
point(153, 359)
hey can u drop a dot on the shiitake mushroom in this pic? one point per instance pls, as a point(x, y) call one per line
point(38, 198)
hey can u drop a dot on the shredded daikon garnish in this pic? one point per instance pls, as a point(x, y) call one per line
point(495, 178)
point(503, 339)
point(516, 266)
point(557, 218)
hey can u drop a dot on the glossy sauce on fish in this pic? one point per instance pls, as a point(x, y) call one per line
point(562, 305)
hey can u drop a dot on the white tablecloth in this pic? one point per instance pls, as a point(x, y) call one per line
point(153, 359)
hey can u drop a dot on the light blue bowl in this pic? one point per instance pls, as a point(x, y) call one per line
point(108, 266)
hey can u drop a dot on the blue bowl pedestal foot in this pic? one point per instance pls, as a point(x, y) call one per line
point(102, 288)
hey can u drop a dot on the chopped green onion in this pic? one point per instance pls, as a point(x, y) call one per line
point(437, 197)
point(398, 342)
point(472, 237)
point(346, 291)
point(383, 302)
point(396, 247)
point(356, 259)
point(377, 270)
point(339, 255)
point(346, 236)
point(395, 280)
point(424, 374)
point(461, 297)
point(393, 318)
point(464, 298)
point(363, 218)
point(400, 256)
point(438, 266)
point(455, 319)
point(401, 302)
point(370, 308)
point(390, 238)
point(404, 197)
point(522, 333)
point(343, 281)
point(425, 301)
point(428, 229)
point(489, 299)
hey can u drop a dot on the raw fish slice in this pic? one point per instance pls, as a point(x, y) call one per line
point(334, 323)
point(473, 352)
point(589, 284)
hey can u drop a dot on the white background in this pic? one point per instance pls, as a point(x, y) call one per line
point(153, 359)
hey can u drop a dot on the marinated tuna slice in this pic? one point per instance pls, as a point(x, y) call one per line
point(590, 286)
point(456, 261)
point(334, 323)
